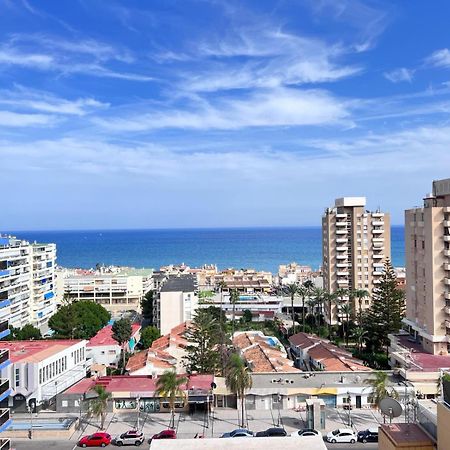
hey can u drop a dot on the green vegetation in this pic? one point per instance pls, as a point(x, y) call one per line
point(168, 386)
point(148, 335)
point(98, 407)
point(79, 320)
point(204, 338)
point(247, 316)
point(292, 290)
point(238, 380)
point(147, 306)
point(26, 333)
point(380, 387)
point(122, 334)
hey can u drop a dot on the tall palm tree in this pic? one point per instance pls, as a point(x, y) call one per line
point(292, 290)
point(380, 388)
point(319, 295)
point(330, 300)
point(346, 309)
point(360, 295)
point(307, 288)
point(168, 386)
point(234, 298)
point(238, 380)
point(359, 334)
point(98, 407)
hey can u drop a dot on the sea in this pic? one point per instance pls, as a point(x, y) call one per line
point(257, 248)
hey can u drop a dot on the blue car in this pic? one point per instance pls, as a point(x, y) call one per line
point(240, 432)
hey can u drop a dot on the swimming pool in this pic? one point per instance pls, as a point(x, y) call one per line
point(247, 297)
point(272, 342)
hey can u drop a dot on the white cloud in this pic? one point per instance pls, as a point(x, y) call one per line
point(38, 60)
point(439, 58)
point(263, 108)
point(398, 75)
point(12, 119)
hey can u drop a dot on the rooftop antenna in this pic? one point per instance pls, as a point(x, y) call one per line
point(390, 407)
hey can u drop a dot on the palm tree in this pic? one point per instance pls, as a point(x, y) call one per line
point(98, 407)
point(306, 290)
point(346, 309)
point(329, 299)
point(360, 295)
point(292, 290)
point(234, 298)
point(359, 334)
point(319, 295)
point(238, 380)
point(168, 386)
point(380, 388)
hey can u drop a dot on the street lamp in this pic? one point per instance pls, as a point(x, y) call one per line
point(349, 404)
point(138, 399)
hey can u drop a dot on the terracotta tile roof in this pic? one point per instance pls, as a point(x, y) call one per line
point(105, 336)
point(334, 358)
point(149, 356)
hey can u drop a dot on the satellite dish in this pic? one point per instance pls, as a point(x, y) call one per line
point(390, 407)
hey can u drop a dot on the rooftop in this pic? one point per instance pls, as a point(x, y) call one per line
point(36, 351)
point(350, 201)
point(105, 336)
point(181, 283)
point(403, 433)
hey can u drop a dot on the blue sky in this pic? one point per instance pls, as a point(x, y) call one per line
point(206, 113)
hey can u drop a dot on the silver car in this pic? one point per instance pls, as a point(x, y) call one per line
point(131, 437)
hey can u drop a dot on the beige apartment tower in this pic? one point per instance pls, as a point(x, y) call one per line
point(427, 248)
point(356, 243)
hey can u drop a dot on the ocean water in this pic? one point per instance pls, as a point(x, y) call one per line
point(258, 248)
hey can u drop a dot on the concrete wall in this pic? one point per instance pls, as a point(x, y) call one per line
point(443, 426)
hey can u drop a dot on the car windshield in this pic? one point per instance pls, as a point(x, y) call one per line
point(335, 432)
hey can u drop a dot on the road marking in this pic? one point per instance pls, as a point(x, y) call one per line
point(75, 446)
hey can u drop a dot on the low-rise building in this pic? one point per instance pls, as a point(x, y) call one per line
point(132, 393)
point(314, 353)
point(42, 369)
point(293, 273)
point(263, 354)
point(104, 349)
point(117, 291)
point(176, 302)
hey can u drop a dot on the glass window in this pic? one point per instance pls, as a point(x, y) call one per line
point(17, 377)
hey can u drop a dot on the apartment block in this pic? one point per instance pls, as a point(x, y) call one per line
point(119, 291)
point(356, 243)
point(176, 302)
point(427, 245)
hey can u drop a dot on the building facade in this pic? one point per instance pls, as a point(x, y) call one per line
point(117, 292)
point(176, 302)
point(427, 245)
point(355, 245)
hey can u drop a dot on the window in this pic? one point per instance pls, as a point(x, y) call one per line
point(17, 377)
point(76, 403)
point(64, 403)
point(40, 376)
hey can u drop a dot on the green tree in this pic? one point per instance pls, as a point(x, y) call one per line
point(79, 320)
point(202, 354)
point(346, 310)
point(292, 290)
point(238, 380)
point(359, 334)
point(380, 387)
point(305, 291)
point(359, 295)
point(386, 311)
point(147, 306)
point(148, 335)
point(98, 407)
point(26, 333)
point(248, 316)
point(234, 298)
point(122, 331)
point(168, 386)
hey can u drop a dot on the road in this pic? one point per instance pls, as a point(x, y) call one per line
point(69, 445)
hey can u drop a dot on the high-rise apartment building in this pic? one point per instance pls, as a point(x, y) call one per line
point(27, 281)
point(427, 248)
point(355, 245)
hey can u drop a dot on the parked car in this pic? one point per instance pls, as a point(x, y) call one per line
point(239, 432)
point(272, 432)
point(95, 440)
point(131, 437)
point(345, 435)
point(164, 434)
point(369, 435)
point(306, 432)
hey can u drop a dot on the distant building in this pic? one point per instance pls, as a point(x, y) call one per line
point(176, 302)
point(427, 245)
point(355, 245)
point(314, 353)
point(104, 349)
point(118, 291)
point(293, 273)
point(27, 281)
point(40, 370)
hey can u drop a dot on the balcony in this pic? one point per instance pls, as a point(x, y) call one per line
point(342, 240)
point(376, 273)
point(5, 444)
point(447, 238)
point(5, 419)
point(341, 256)
point(341, 224)
point(447, 295)
point(4, 389)
point(343, 282)
point(446, 252)
point(447, 323)
point(4, 329)
point(341, 265)
point(446, 266)
point(447, 309)
point(447, 281)
point(343, 273)
point(377, 223)
point(341, 248)
point(378, 256)
point(447, 223)
point(377, 230)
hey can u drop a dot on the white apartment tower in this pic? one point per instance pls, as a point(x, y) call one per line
point(355, 245)
point(427, 246)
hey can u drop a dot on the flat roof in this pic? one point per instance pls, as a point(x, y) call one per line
point(261, 443)
point(407, 433)
point(350, 201)
point(36, 351)
point(181, 283)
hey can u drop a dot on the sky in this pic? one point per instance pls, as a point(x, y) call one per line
point(218, 113)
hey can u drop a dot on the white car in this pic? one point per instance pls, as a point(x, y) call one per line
point(345, 435)
point(306, 432)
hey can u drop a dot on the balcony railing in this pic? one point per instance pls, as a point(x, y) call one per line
point(4, 326)
point(4, 385)
point(4, 356)
point(5, 444)
point(4, 416)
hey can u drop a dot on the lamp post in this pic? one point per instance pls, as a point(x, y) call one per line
point(349, 404)
point(138, 400)
point(30, 410)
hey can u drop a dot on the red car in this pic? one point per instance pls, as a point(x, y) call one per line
point(165, 434)
point(95, 440)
